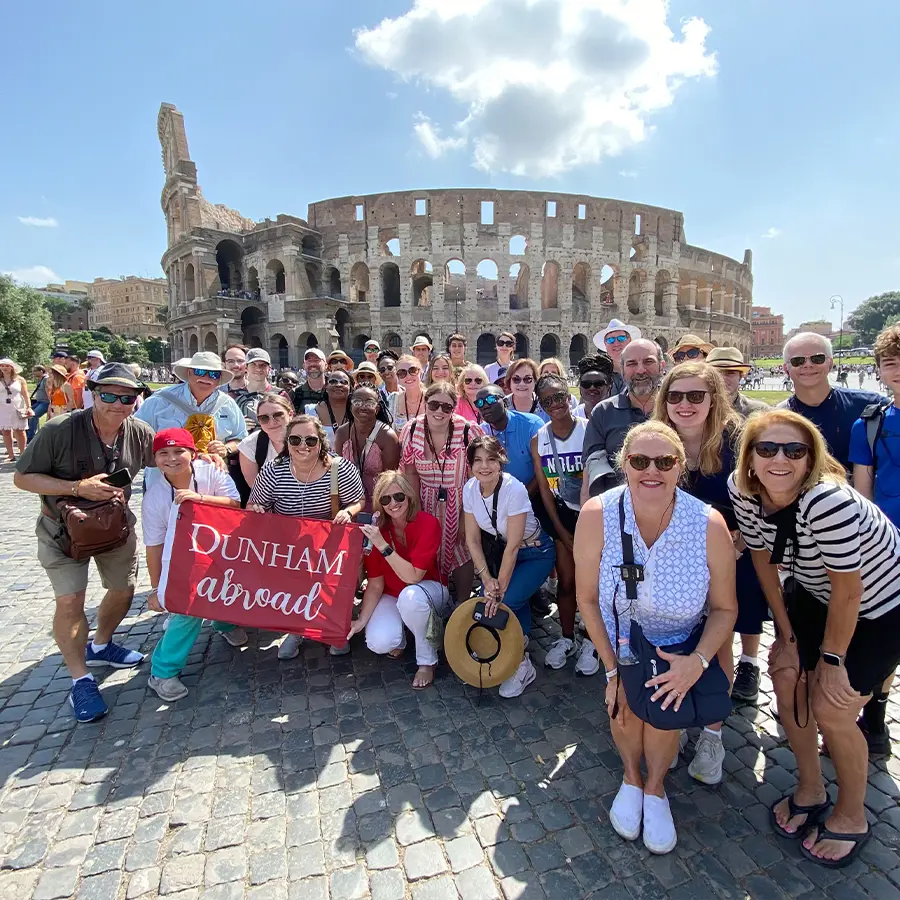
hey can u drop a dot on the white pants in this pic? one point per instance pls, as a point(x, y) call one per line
point(384, 631)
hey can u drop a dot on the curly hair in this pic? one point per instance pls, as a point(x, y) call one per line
point(887, 343)
point(596, 362)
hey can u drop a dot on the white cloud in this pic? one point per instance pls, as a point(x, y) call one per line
point(628, 173)
point(36, 222)
point(547, 84)
point(38, 276)
point(771, 233)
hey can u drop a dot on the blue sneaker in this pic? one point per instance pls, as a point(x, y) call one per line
point(86, 701)
point(113, 655)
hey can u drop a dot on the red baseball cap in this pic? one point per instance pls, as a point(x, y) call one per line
point(174, 437)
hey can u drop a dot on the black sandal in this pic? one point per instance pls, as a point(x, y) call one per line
point(814, 814)
point(823, 834)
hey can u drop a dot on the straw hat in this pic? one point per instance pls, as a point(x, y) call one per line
point(466, 642)
point(727, 358)
point(691, 340)
point(202, 360)
point(6, 361)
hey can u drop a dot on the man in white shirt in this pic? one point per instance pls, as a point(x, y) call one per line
point(95, 359)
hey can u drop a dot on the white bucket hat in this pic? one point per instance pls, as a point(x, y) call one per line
point(202, 360)
point(615, 325)
point(6, 361)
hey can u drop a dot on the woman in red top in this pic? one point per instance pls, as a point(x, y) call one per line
point(402, 568)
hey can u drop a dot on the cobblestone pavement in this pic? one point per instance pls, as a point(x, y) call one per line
point(329, 777)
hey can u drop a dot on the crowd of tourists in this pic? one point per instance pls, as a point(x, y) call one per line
point(662, 511)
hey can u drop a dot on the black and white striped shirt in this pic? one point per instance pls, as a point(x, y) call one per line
point(277, 490)
point(837, 529)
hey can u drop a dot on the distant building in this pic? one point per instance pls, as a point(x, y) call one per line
point(766, 332)
point(75, 316)
point(128, 306)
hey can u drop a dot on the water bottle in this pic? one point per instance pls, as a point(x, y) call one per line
point(625, 655)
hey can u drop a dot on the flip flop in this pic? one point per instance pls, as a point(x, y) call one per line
point(814, 814)
point(423, 687)
point(823, 834)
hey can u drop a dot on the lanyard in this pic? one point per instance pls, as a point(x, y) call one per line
point(442, 462)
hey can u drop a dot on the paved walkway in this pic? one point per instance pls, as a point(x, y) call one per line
point(325, 777)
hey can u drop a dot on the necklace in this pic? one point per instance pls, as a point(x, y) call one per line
point(305, 482)
point(406, 405)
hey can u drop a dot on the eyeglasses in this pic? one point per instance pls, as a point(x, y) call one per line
point(383, 369)
point(594, 385)
point(663, 463)
point(215, 374)
point(473, 380)
point(295, 440)
point(693, 353)
point(435, 405)
point(489, 400)
point(364, 404)
point(234, 362)
point(124, 399)
point(816, 359)
point(617, 339)
point(265, 418)
point(405, 373)
point(506, 343)
point(792, 449)
point(695, 398)
point(343, 382)
point(555, 399)
point(392, 498)
point(522, 379)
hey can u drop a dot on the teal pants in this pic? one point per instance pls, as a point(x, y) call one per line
point(172, 651)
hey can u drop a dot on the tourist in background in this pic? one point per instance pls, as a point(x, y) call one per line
point(688, 593)
point(456, 347)
point(409, 401)
point(613, 340)
point(433, 458)
point(312, 391)
point(387, 370)
point(595, 382)
point(334, 410)
point(235, 360)
point(421, 350)
point(40, 400)
point(94, 360)
point(441, 369)
point(15, 407)
point(521, 377)
point(497, 504)
point(371, 350)
point(62, 356)
point(690, 348)
point(506, 345)
point(404, 583)
point(837, 617)
point(472, 378)
point(288, 381)
point(366, 375)
point(62, 397)
point(729, 363)
point(338, 360)
point(265, 443)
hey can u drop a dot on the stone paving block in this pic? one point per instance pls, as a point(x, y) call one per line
point(144, 881)
point(349, 884)
point(56, 883)
point(181, 873)
point(442, 888)
point(99, 887)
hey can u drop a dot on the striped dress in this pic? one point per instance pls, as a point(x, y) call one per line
point(454, 552)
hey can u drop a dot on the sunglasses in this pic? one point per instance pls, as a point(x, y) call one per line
point(295, 440)
point(435, 405)
point(365, 377)
point(473, 380)
point(383, 369)
point(555, 399)
point(124, 399)
point(816, 359)
point(371, 349)
point(695, 398)
point(489, 400)
point(663, 463)
point(617, 339)
point(265, 418)
point(289, 382)
point(693, 353)
point(594, 385)
point(341, 381)
point(506, 343)
point(405, 373)
point(208, 373)
point(792, 449)
point(387, 499)
point(364, 404)
point(522, 379)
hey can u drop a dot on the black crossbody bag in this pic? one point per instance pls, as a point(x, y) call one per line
point(492, 545)
point(706, 703)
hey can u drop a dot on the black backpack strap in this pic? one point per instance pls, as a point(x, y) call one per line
point(873, 415)
point(262, 449)
point(627, 551)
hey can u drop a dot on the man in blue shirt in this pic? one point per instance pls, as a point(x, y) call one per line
point(197, 399)
point(514, 430)
point(877, 477)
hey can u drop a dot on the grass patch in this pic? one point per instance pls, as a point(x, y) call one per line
point(770, 397)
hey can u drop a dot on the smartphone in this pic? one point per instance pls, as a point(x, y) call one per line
point(442, 495)
point(120, 478)
point(498, 620)
point(365, 518)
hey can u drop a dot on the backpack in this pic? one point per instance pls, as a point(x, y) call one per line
point(873, 415)
point(234, 467)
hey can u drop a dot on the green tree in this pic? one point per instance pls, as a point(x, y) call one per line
point(56, 306)
point(871, 316)
point(26, 330)
point(81, 341)
point(156, 350)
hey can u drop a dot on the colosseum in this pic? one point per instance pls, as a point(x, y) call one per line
point(552, 268)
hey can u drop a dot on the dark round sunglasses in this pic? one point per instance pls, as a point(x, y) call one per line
point(506, 343)
point(555, 399)
point(593, 385)
point(435, 405)
point(405, 373)
point(641, 462)
point(693, 353)
point(396, 498)
point(295, 440)
point(792, 449)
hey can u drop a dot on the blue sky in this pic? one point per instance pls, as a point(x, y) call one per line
point(775, 129)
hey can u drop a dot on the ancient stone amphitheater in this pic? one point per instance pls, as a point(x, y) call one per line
point(551, 268)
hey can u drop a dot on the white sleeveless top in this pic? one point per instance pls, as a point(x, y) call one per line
point(672, 598)
point(569, 452)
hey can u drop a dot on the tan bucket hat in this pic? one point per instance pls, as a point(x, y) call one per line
point(727, 358)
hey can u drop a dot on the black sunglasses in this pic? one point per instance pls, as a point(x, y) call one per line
point(396, 498)
point(663, 463)
point(489, 400)
point(342, 381)
point(435, 405)
point(383, 369)
point(208, 373)
point(693, 353)
point(792, 449)
point(695, 398)
point(295, 440)
point(816, 359)
point(124, 399)
point(264, 418)
point(506, 343)
point(594, 385)
point(555, 399)
point(522, 379)
point(473, 380)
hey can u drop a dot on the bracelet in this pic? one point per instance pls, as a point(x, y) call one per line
point(479, 571)
point(612, 673)
point(75, 485)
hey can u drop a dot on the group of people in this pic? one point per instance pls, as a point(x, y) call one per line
point(668, 509)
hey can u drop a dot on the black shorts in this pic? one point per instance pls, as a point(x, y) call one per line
point(567, 516)
point(874, 650)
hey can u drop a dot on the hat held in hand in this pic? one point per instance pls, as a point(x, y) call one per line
point(480, 655)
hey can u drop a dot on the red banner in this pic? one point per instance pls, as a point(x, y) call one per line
point(267, 571)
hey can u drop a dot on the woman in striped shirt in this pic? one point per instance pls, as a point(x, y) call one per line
point(837, 616)
point(300, 482)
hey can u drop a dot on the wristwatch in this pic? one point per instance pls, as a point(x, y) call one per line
point(703, 660)
point(833, 659)
point(387, 551)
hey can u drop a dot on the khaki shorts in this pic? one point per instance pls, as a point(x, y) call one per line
point(118, 568)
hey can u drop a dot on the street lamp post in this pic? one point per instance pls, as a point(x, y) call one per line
point(837, 298)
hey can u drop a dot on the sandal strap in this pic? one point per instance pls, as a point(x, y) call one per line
point(796, 810)
point(825, 834)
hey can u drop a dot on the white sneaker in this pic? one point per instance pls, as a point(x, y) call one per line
point(290, 646)
point(558, 655)
point(659, 827)
point(519, 680)
point(168, 689)
point(588, 662)
point(339, 651)
point(706, 766)
point(682, 743)
point(237, 637)
point(626, 811)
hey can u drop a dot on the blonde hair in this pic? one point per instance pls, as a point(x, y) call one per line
point(822, 465)
point(444, 356)
point(385, 480)
point(722, 418)
point(556, 362)
point(461, 381)
point(656, 428)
